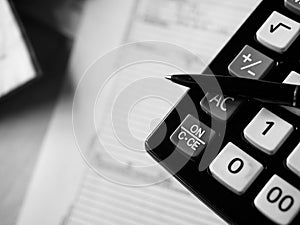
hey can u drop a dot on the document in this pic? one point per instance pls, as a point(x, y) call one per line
point(76, 181)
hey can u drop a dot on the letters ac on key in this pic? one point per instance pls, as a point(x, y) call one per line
point(220, 101)
point(219, 106)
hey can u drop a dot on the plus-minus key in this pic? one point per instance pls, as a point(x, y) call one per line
point(250, 63)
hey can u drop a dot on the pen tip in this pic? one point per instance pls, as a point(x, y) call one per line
point(168, 77)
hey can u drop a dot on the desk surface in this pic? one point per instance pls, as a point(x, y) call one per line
point(24, 118)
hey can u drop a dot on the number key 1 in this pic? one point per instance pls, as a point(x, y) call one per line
point(267, 131)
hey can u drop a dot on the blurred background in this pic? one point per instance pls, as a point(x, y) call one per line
point(25, 114)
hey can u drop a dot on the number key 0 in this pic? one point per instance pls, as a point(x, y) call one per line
point(235, 169)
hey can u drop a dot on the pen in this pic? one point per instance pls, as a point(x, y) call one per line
point(265, 91)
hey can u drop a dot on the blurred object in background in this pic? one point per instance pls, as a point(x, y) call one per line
point(17, 59)
point(50, 27)
point(64, 16)
point(24, 116)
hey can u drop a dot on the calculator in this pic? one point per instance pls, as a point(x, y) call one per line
point(241, 157)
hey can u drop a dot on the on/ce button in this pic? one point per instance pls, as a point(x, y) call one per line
point(192, 136)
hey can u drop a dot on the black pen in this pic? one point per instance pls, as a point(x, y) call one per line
point(265, 91)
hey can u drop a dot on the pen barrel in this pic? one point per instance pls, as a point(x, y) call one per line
point(265, 91)
point(269, 92)
point(297, 97)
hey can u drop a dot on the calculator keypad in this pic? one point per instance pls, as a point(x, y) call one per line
point(235, 168)
point(293, 161)
point(278, 200)
point(267, 131)
point(278, 32)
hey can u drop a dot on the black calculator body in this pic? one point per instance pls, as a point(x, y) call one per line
point(241, 157)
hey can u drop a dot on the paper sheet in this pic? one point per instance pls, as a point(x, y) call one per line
point(64, 190)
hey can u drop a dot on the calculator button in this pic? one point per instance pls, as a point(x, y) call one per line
point(278, 32)
point(293, 161)
point(267, 131)
point(219, 106)
point(250, 63)
point(192, 136)
point(293, 78)
point(278, 200)
point(293, 5)
point(235, 169)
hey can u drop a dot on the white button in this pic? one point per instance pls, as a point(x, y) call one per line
point(278, 32)
point(267, 131)
point(235, 169)
point(293, 78)
point(278, 200)
point(293, 161)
